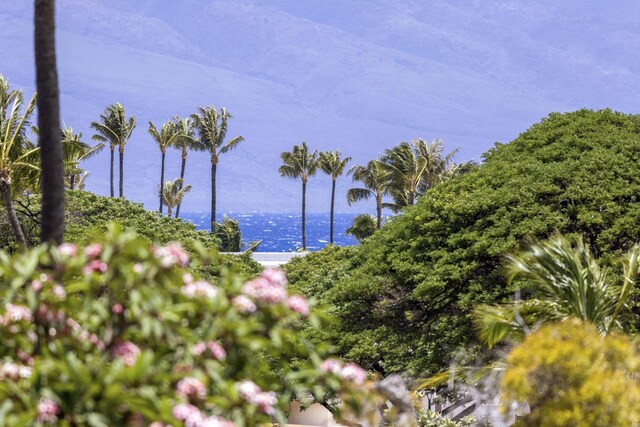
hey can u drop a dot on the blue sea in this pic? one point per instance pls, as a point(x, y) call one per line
point(281, 232)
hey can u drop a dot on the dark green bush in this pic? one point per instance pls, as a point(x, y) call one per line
point(404, 296)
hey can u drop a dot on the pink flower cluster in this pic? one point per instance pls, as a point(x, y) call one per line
point(14, 372)
point(93, 251)
point(244, 304)
point(191, 388)
point(263, 400)
point(126, 351)
point(200, 288)
point(193, 417)
point(298, 304)
point(16, 313)
point(264, 290)
point(171, 255)
point(48, 411)
point(95, 266)
point(349, 372)
point(217, 351)
point(68, 249)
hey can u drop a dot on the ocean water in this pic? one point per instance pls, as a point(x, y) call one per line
point(282, 232)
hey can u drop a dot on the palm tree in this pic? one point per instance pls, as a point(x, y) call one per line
point(566, 282)
point(172, 193)
point(17, 155)
point(185, 142)
point(374, 178)
point(438, 167)
point(229, 234)
point(74, 151)
point(364, 225)
point(331, 164)
point(115, 129)
point(51, 156)
point(211, 125)
point(165, 137)
point(405, 168)
point(300, 163)
point(416, 167)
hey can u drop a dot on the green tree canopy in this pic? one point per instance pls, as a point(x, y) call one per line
point(405, 295)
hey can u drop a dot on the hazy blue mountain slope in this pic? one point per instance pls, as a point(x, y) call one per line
point(360, 74)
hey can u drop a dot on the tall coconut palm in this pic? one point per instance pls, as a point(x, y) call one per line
point(565, 281)
point(18, 156)
point(115, 129)
point(303, 164)
point(51, 155)
point(211, 126)
point(405, 167)
point(165, 137)
point(331, 164)
point(416, 167)
point(172, 194)
point(364, 225)
point(75, 151)
point(374, 179)
point(186, 142)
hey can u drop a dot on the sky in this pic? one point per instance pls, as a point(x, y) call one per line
point(355, 75)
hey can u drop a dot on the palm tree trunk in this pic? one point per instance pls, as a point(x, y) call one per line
point(333, 196)
point(5, 189)
point(121, 172)
point(169, 210)
point(412, 197)
point(304, 225)
point(72, 181)
point(51, 158)
point(161, 182)
point(111, 173)
point(184, 164)
point(379, 210)
point(214, 167)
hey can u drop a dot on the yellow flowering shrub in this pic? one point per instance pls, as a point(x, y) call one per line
point(570, 375)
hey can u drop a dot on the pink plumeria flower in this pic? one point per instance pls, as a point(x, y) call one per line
point(213, 421)
point(354, 373)
point(190, 387)
point(244, 304)
point(117, 308)
point(95, 266)
point(276, 276)
point(171, 255)
point(59, 292)
point(217, 351)
point(265, 291)
point(185, 411)
point(68, 249)
point(48, 411)
point(126, 351)
point(16, 313)
point(298, 304)
point(200, 288)
point(333, 366)
point(198, 348)
point(36, 285)
point(93, 251)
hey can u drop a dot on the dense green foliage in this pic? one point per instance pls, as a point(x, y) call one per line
point(404, 296)
point(89, 215)
point(120, 333)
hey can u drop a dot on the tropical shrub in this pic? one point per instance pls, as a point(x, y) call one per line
point(407, 292)
point(119, 332)
point(89, 215)
point(570, 375)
